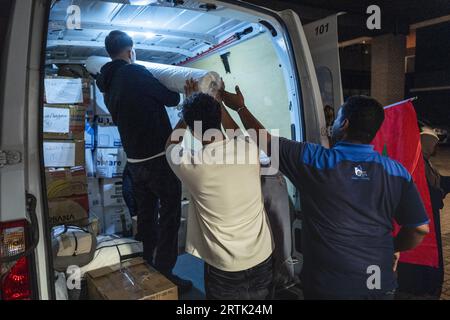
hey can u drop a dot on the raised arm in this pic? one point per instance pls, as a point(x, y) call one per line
point(235, 101)
point(228, 122)
point(177, 135)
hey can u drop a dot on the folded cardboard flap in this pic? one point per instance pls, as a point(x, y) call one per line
point(131, 280)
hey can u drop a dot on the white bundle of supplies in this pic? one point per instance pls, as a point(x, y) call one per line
point(173, 77)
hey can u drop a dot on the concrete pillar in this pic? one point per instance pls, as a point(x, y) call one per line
point(388, 68)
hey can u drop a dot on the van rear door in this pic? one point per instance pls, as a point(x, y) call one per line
point(22, 228)
point(322, 38)
point(314, 119)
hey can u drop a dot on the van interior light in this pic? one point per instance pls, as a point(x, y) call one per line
point(142, 2)
point(134, 34)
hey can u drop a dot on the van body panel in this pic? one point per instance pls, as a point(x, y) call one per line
point(314, 118)
point(20, 130)
point(323, 43)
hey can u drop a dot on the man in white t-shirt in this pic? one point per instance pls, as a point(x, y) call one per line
point(227, 225)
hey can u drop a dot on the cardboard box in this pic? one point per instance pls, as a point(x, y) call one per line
point(131, 280)
point(109, 162)
point(115, 219)
point(63, 90)
point(87, 91)
point(66, 182)
point(64, 153)
point(68, 90)
point(111, 190)
point(72, 210)
point(107, 134)
point(93, 191)
point(64, 122)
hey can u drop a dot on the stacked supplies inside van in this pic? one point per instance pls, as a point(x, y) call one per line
point(84, 162)
point(109, 159)
point(66, 101)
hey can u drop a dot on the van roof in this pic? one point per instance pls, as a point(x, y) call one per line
point(162, 32)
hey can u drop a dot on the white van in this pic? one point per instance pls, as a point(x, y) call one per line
point(264, 51)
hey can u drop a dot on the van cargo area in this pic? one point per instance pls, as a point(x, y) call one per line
point(83, 155)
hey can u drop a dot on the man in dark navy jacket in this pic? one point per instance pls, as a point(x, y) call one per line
point(136, 101)
point(350, 196)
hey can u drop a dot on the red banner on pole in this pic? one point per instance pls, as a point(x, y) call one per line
point(399, 139)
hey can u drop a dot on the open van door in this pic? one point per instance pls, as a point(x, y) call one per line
point(314, 119)
point(322, 38)
point(23, 254)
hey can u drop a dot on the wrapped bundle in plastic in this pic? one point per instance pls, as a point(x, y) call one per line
point(173, 77)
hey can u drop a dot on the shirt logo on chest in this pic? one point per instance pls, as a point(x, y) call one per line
point(360, 174)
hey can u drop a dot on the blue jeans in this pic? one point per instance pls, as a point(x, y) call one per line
point(252, 284)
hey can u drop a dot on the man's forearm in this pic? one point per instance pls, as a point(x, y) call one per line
point(227, 121)
point(408, 239)
point(250, 122)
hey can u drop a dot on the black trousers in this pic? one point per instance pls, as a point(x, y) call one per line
point(157, 192)
point(252, 284)
point(127, 191)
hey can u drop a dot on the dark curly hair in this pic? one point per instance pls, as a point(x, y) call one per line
point(365, 116)
point(202, 107)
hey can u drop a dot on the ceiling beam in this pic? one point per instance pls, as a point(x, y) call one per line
point(203, 37)
point(96, 44)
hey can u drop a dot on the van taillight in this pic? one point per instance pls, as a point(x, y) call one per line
point(15, 281)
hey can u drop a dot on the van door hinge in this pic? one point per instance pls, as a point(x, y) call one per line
point(9, 158)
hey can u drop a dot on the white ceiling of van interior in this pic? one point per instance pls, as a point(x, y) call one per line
point(162, 32)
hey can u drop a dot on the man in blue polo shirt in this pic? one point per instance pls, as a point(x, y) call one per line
point(350, 197)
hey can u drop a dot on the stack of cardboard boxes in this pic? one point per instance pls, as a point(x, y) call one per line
point(84, 163)
point(66, 101)
point(83, 157)
point(105, 182)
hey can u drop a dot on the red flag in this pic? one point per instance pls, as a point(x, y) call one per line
point(399, 138)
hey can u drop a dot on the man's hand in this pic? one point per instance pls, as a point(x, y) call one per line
point(234, 101)
point(396, 259)
point(190, 87)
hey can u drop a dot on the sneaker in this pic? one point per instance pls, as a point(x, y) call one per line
point(182, 284)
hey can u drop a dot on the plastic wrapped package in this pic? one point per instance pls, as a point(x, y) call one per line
point(110, 250)
point(173, 77)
